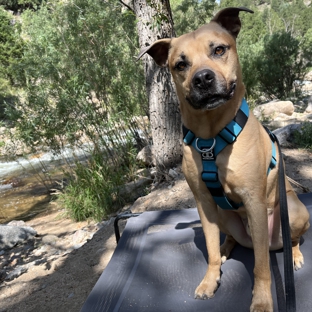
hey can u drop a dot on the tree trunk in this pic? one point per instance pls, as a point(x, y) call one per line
point(164, 112)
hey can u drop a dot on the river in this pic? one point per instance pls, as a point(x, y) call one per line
point(25, 183)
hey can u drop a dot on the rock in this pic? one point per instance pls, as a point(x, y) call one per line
point(40, 251)
point(3, 275)
point(143, 173)
point(285, 134)
point(134, 189)
point(173, 174)
point(77, 246)
point(308, 110)
point(11, 236)
point(49, 239)
point(281, 116)
point(16, 223)
point(308, 76)
point(19, 270)
point(146, 156)
point(80, 236)
point(5, 186)
point(153, 172)
point(271, 109)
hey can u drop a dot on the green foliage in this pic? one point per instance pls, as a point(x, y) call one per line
point(78, 70)
point(189, 15)
point(295, 16)
point(247, 55)
point(10, 42)
point(95, 190)
point(238, 3)
point(11, 49)
point(306, 43)
point(82, 87)
point(274, 46)
point(20, 5)
point(280, 64)
point(303, 137)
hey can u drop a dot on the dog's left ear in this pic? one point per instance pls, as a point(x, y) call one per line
point(158, 51)
point(229, 19)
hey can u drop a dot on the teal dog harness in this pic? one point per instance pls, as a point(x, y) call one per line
point(210, 148)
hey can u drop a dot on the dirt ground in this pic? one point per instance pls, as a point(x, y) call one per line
point(64, 283)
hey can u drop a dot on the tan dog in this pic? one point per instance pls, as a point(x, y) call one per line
point(206, 71)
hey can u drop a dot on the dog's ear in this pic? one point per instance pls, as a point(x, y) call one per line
point(229, 19)
point(158, 51)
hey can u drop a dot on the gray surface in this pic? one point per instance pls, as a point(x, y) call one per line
point(161, 258)
point(11, 236)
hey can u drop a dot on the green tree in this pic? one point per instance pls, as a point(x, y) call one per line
point(20, 5)
point(77, 51)
point(189, 15)
point(281, 63)
point(11, 48)
point(82, 87)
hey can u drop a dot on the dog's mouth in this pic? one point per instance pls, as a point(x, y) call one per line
point(211, 98)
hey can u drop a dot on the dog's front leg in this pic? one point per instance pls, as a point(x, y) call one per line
point(208, 212)
point(258, 223)
point(209, 220)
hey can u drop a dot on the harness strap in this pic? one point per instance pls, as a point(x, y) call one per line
point(210, 148)
point(226, 136)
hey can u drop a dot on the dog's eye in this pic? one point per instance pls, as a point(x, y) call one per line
point(181, 66)
point(219, 51)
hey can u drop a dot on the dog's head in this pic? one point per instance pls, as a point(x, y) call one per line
point(204, 63)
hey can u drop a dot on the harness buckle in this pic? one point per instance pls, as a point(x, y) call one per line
point(207, 155)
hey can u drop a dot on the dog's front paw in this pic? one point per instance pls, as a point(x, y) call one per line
point(261, 306)
point(207, 289)
point(262, 302)
point(298, 259)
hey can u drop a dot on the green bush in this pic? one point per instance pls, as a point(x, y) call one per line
point(11, 49)
point(20, 5)
point(303, 137)
point(78, 71)
point(280, 64)
point(93, 190)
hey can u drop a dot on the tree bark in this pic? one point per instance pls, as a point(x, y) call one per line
point(164, 112)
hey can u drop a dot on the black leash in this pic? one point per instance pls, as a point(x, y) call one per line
point(290, 292)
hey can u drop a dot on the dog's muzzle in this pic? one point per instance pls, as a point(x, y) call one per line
point(209, 92)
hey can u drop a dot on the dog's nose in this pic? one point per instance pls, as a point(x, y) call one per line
point(203, 78)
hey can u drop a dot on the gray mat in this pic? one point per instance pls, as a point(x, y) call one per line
point(161, 258)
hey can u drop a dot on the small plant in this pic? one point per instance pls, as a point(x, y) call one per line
point(93, 190)
point(303, 137)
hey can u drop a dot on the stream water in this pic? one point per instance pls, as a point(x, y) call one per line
point(25, 183)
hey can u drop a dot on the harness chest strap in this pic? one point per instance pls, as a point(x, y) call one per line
point(210, 148)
